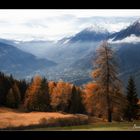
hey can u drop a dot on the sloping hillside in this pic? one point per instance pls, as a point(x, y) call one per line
point(20, 63)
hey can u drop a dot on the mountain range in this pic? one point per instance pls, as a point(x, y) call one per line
point(71, 58)
point(133, 29)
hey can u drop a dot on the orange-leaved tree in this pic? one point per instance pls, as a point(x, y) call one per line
point(106, 75)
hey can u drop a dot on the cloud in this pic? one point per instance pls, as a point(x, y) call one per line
point(129, 39)
point(56, 24)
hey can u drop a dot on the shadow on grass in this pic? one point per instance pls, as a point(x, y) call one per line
point(44, 123)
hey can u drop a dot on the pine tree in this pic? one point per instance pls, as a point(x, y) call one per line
point(105, 74)
point(13, 97)
point(43, 98)
point(132, 98)
point(16, 95)
point(73, 101)
point(23, 85)
point(81, 108)
point(5, 85)
point(75, 105)
point(10, 99)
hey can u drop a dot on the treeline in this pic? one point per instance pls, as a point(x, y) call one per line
point(12, 91)
point(103, 98)
point(40, 95)
point(50, 96)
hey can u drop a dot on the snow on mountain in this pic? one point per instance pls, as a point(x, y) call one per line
point(97, 29)
point(128, 34)
point(90, 34)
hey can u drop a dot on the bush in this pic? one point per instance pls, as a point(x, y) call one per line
point(63, 121)
point(49, 122)
point(43, 121)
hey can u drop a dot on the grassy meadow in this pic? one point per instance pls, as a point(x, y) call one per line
point(12, 119)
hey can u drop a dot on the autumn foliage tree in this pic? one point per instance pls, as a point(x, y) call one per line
point(105, 74)
point(36, 97)
point(51, 85)
point(89, 91)
point(33, 88)
point(60, 96)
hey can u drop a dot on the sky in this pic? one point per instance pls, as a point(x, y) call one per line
point(56, 24)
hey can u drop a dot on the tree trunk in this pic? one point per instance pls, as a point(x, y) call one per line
point(107, 90)
point(109, 113)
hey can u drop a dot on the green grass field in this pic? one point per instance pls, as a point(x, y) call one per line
point(114, 126)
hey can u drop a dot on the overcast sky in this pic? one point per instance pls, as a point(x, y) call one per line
point(56, 24)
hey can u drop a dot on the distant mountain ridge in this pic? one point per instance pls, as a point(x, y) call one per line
point(89, 34)
point(18, 62)
point(133, 29)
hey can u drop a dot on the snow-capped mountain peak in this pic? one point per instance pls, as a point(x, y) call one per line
point(92, 33)
point(137, 22)
point(95, 28)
